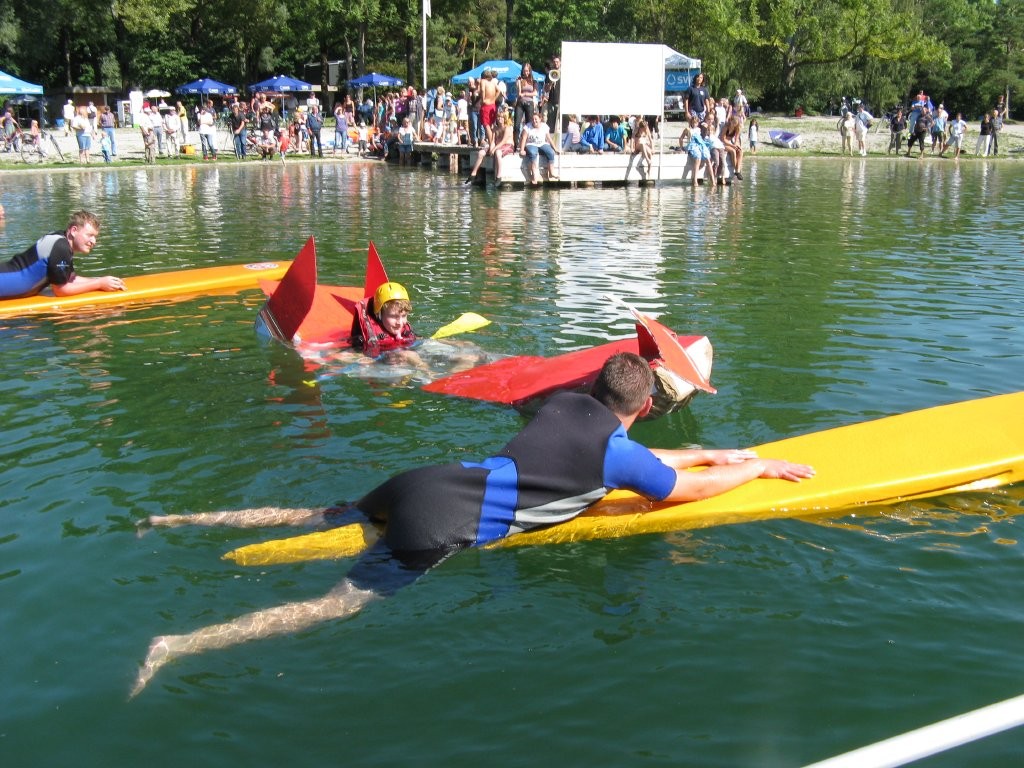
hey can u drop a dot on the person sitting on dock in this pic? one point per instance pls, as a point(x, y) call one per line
point(732, 139)
point(50, 261)
point(567, 458)
point(615, 139)
point(537, 141)
point(572, 141)
point(382, 324)
point(642, 143)
point(503, 145)
point(592, 137)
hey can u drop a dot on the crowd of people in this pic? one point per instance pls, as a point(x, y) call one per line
point(923, 124)
point(496, 116)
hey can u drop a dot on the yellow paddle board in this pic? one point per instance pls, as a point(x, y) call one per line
point(158, 285)
point(972, 445)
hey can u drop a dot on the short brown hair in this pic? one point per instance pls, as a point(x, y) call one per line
point(399, 305)
point(81, 218)
point(624, 383)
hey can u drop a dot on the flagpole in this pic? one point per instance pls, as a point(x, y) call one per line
point(426, 15)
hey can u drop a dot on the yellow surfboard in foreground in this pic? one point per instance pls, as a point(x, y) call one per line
point(973, 445)
point(158, 285)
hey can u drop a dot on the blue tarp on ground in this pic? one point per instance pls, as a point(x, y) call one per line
point(11, 84)
point(507, 69)
point(281, 84)
point(206, 85)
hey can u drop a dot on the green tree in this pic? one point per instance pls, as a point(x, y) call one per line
point(812, 33)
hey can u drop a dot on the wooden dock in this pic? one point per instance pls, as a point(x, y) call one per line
point(571, 168)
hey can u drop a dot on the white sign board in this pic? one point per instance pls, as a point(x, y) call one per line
point(612, 79)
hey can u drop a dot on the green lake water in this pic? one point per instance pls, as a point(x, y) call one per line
point(833, 292)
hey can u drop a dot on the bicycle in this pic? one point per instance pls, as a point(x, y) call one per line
point(10, 142)
point(34, 149)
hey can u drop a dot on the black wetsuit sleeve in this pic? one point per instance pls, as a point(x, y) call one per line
point(61, 266)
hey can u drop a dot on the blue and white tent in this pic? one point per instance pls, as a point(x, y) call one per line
point(9, 84)
point(507, 69)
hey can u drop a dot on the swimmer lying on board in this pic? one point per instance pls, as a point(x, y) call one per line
point(50, 262)
point(570, 454)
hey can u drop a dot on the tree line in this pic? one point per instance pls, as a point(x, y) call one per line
point(782, 53)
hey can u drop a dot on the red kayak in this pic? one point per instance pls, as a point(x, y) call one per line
point(300, 311)
point(682, 366)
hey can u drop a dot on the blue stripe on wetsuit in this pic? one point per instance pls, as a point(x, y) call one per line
point(501, 495)
point(24, 282)
point(630, 465)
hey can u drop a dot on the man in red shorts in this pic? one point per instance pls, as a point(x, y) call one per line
point(489, 105)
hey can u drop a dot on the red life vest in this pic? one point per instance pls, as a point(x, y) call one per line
point(368, 335)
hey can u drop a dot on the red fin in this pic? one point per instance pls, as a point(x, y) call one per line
point(375, 274)
point(655, 338)
point(289, 304)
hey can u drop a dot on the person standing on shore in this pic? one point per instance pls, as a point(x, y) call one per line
point(897, 126)
point(207, 131)
point(107, 125)
point(997, 126)
point(314, 123)
point(863, 119)
point(957, 130)
point(340, 128)
point(69, 115)
point(80, 125)
point(237, 122)
point(984, 136)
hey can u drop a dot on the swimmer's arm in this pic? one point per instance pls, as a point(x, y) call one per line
point(686, 458)
point(79, 284)
point(694, 486)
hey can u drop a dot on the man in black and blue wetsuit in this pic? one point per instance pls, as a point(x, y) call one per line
point(569, 456)
point(50, 261)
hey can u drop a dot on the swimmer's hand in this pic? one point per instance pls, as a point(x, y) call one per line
point(111, 283)
point(779, 469)
point(728, 456)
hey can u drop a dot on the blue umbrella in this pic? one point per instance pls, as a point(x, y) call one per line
point(206, 85)
point(374, 79)
point(281, 84)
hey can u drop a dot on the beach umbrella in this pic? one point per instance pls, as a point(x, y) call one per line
point(206, 86)
point(156, 93)
point(372, 80)
point(281, 84)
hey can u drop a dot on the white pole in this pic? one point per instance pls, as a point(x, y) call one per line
point(932, 739)
point(426, 13)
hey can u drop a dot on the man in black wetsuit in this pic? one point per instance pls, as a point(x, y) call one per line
point(569, 456)
point(50, 261)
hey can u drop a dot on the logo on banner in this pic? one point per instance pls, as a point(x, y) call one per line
point(678, 80)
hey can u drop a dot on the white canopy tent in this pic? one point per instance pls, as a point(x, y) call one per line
point(680, 70)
